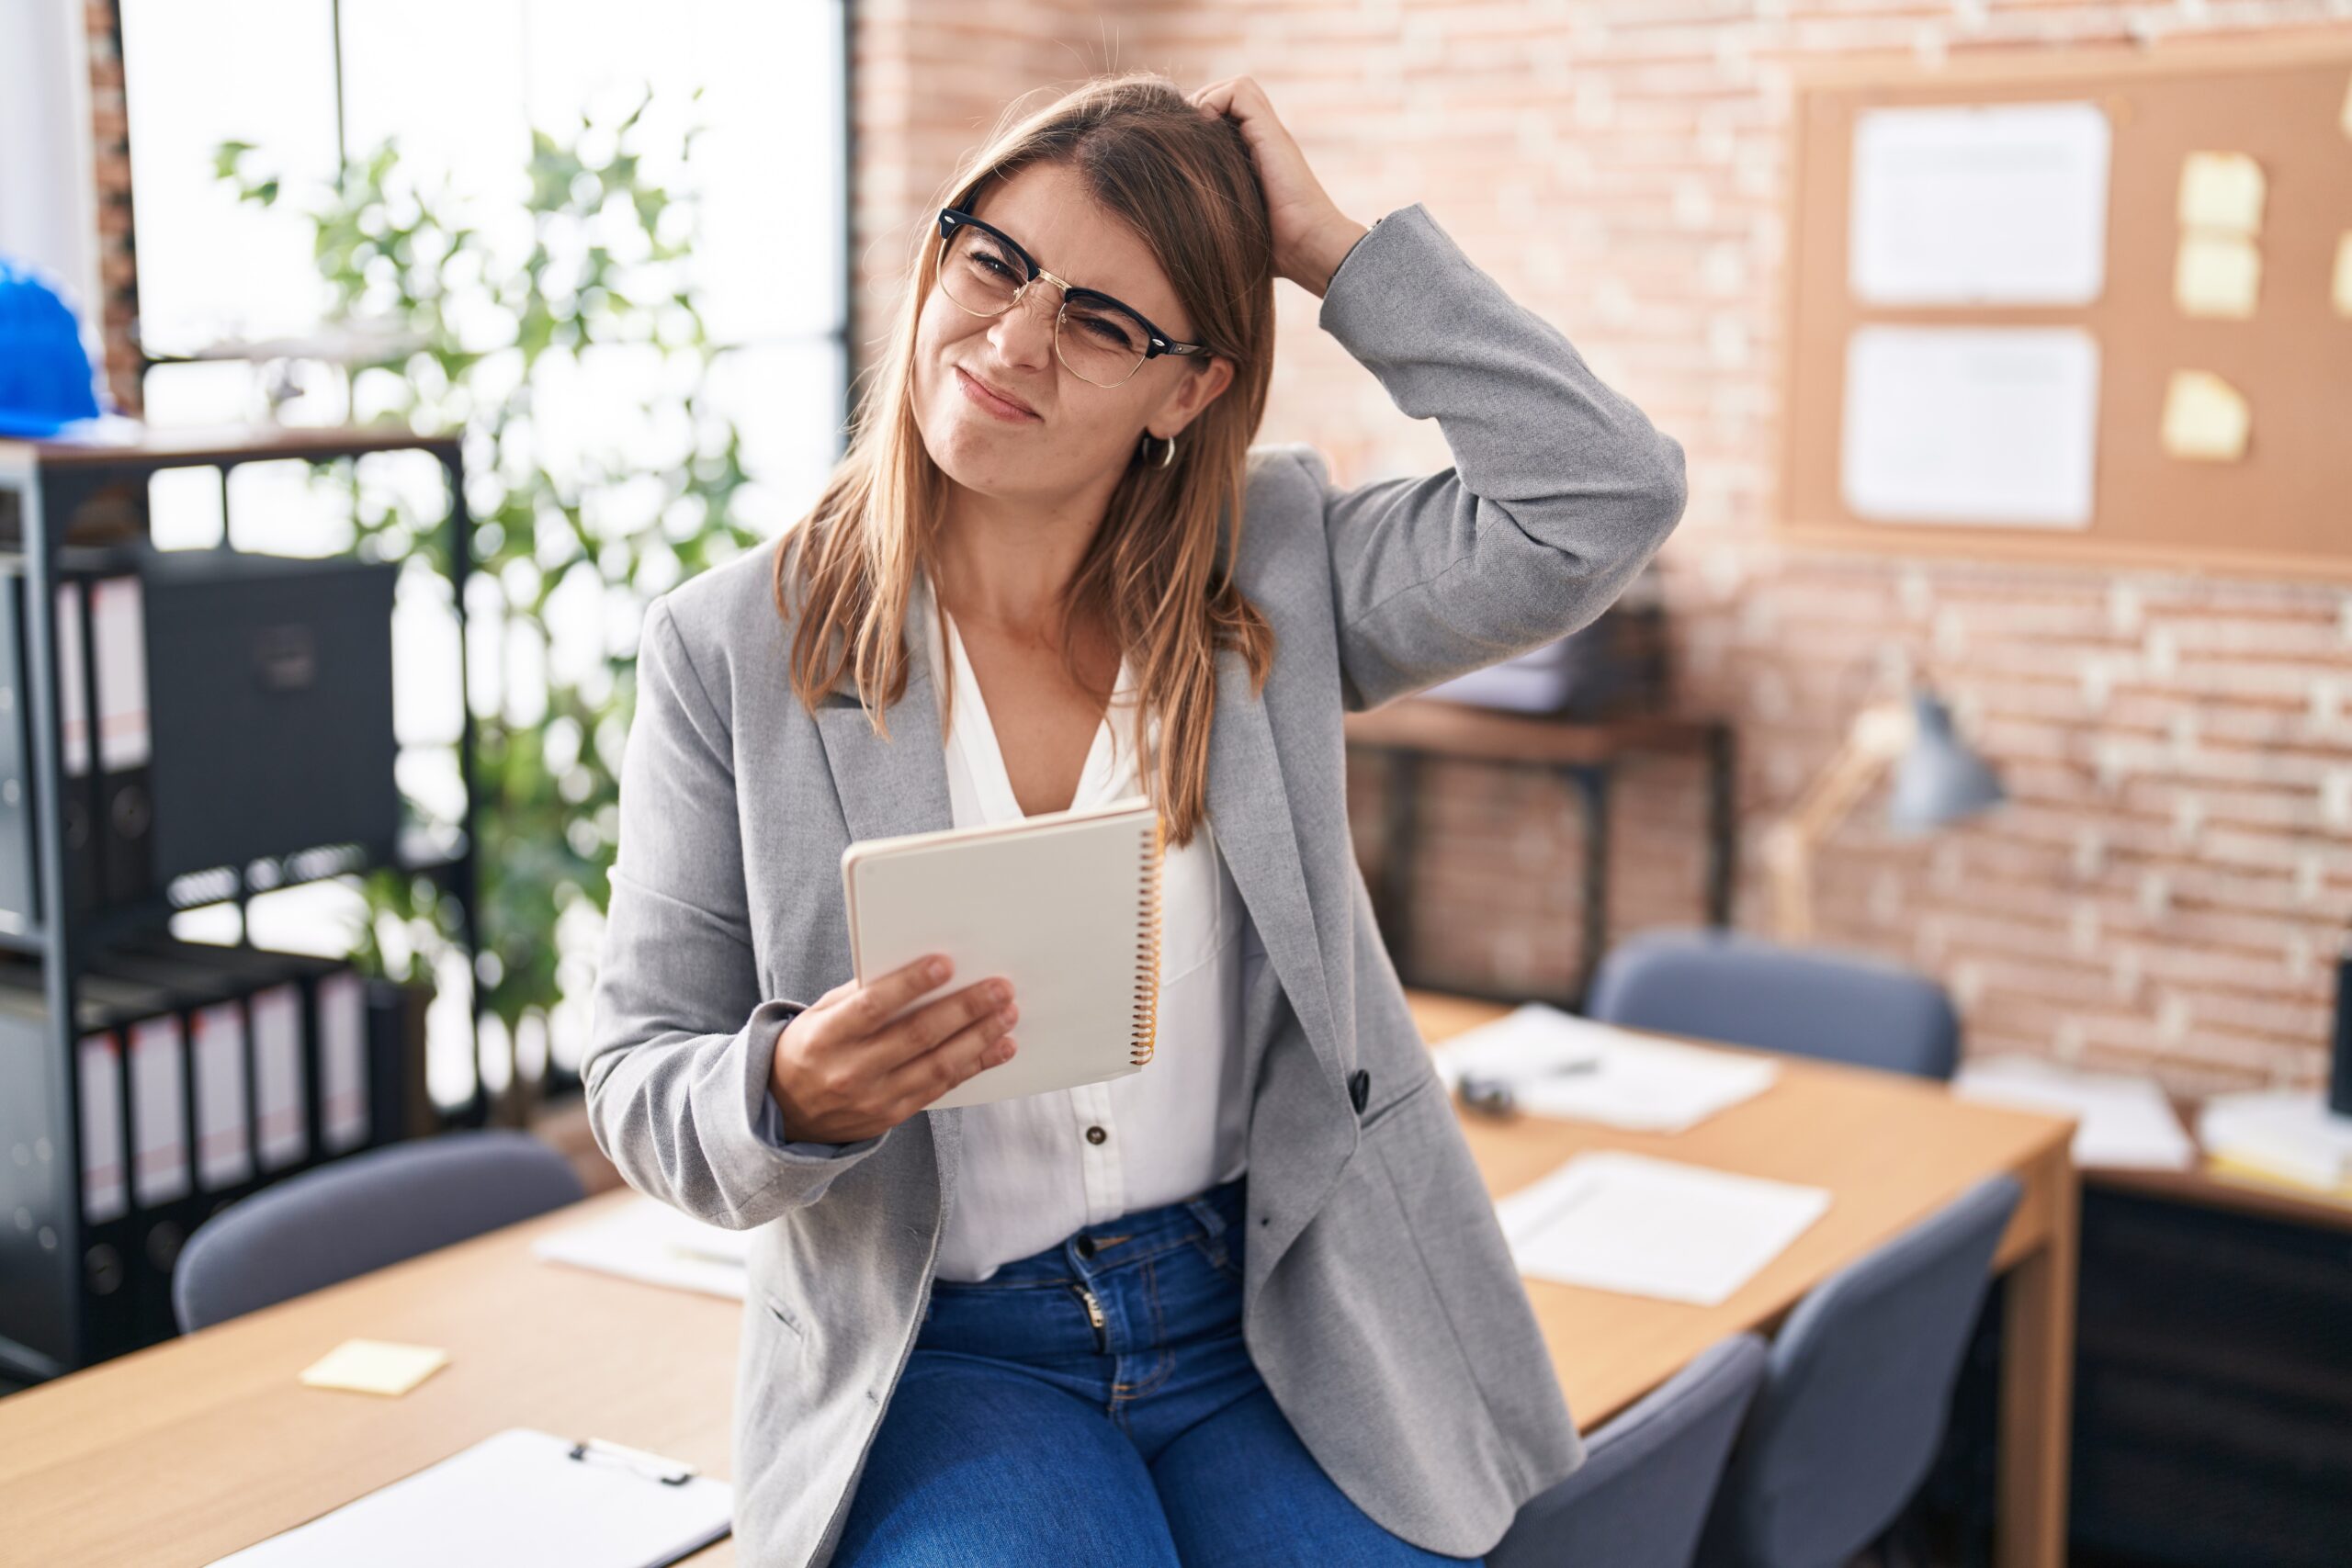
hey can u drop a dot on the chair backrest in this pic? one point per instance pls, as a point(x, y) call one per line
point(361, 1212)
point(1744, 990)
point(1856, 1392)
point(1638, 1499)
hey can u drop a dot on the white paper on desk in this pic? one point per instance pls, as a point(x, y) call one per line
point(2288, 1131)
point(1642, 1083)
point(1994, 205)
point(1654, 1228)
point(515, 1496)
point(1996, 426)
point(648, 1240)
point(2123, 1120)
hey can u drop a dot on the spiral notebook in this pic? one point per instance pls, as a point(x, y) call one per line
point(1065, 905)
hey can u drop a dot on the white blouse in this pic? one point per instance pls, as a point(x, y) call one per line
point(1037, 1166)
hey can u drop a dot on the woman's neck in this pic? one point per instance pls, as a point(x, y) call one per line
point(1006, 567)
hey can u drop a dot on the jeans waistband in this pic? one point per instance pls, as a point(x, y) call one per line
point(1108, 1244)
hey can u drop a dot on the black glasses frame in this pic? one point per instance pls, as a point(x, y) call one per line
point(1155, 342)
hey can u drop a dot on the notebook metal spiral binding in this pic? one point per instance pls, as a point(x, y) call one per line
point(1146, 1036)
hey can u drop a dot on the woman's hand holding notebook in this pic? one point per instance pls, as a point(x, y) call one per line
point(1065, 905)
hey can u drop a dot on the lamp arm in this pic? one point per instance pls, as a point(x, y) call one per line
point(1878, 737)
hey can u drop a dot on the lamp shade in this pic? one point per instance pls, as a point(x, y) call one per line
point(1939, 780)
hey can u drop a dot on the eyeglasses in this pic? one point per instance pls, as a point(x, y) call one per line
point(1096, 337)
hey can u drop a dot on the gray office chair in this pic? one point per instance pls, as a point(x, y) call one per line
point(361, 1212)
point(1743, 991)
point(1856, 1392)
point(1641, 1495)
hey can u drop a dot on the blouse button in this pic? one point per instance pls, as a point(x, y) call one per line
point(1095, 1135)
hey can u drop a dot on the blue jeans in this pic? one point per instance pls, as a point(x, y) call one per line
point(1094, 1403)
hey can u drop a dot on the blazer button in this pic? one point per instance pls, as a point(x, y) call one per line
point(1360, 1088)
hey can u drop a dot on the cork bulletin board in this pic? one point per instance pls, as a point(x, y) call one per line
point(2282, 504)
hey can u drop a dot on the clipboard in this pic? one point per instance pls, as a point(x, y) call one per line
point(519, 1496)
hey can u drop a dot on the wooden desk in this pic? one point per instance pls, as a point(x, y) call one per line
point(1892, 1150)
point(186, 1451)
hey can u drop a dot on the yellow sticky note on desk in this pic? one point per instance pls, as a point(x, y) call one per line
point(2217, 275)
point(2205, 417)
point(375, 1366)
point(2221, 190)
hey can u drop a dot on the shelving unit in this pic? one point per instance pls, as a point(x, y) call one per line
point(54, 496)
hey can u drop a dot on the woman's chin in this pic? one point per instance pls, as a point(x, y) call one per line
point(983, 456)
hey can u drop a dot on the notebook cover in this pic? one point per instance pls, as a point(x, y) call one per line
point(1065, 905)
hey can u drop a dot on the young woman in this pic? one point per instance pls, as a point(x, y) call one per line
point(1250, 1305)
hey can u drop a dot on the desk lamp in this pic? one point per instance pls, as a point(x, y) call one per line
point(1938, 781)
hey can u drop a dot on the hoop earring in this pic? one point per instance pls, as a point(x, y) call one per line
point(1167, 448)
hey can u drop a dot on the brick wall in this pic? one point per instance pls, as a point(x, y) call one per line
point(2176, 869)
point(117, 249)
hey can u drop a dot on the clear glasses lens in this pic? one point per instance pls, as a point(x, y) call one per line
point(1098, 343)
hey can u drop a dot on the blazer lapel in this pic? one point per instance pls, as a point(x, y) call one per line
point(1302, 1128)
point(1251, 807)
point(892, 786)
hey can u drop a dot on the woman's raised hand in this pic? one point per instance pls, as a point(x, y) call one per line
point(842, 1073)
point(1311, 234)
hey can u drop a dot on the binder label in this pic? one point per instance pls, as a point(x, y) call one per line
point(158, 1110)
point(117, 622)
point(103, 1194)
point(343, 1068)
point(223, 1145)
point(276, 1020)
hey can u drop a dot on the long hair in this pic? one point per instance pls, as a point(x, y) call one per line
point(1153, 573)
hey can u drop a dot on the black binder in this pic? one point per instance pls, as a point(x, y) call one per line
point(23, 902)
point(119, 1309)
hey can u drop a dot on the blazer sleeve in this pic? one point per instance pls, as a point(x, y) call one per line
point(1560, 490)
point(681, 1044)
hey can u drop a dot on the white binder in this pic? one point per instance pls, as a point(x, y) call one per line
point(105, 1192)
point(519, 1496)
point(342, 1060)
point(280, 1086)
point(224, 1154)
point(159, 1162)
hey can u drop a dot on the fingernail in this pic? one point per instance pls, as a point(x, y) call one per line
point(938, 970)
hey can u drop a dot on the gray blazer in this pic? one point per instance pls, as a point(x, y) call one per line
point(1380, 1302)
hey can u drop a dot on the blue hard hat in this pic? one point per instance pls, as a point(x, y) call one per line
point(46, 382)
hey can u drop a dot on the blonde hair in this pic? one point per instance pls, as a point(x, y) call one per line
point(1153, 573)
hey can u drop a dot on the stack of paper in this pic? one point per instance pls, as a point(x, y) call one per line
point(1654, 1228)
point(1613, 1076)
point(650, 1240)
point(2121, 1119)
point(2285, 1137)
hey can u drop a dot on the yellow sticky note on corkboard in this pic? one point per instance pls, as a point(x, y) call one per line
point(2217, 275)
point(2205, 418)
point(375, 1366)
point(2221, 190)
point(2344, 274)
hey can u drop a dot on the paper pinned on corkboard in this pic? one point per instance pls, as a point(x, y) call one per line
point(2205, 419)
point(2217, 275)
point(2221, 191)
